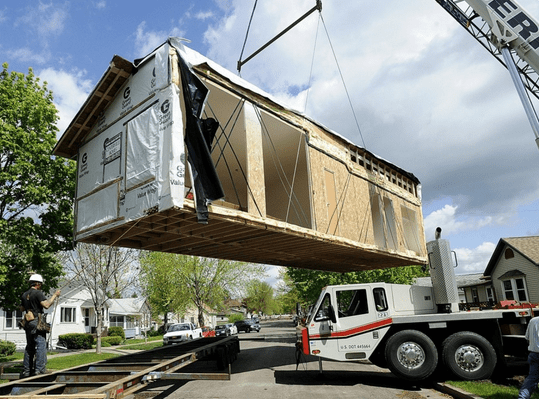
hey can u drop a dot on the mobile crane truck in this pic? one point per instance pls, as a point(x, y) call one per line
point(413, 329)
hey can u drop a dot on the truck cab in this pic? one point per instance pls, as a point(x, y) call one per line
point(348, 321)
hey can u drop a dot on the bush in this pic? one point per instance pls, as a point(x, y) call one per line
point(154, 333)
point(111, 340)
point(235, 317)
point(117, 332)
point(7, 348)
point(76, 341)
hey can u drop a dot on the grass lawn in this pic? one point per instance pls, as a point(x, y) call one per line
point(489, 390)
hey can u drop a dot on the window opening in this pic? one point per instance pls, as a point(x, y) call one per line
point(515, 289)
point(352, 303)
point(380, 299)
point(12, 318)
point(67, 315)
point(509, 253)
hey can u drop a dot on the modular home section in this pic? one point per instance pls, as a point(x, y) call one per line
point(176, 154)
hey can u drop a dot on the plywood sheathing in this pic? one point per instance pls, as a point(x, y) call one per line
point(256, 200)
point(113, 79)
point(248, 238)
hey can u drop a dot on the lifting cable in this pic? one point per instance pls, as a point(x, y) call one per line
point(343, 82)
point(246, 36)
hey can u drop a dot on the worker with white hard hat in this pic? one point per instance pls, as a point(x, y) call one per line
point(33, 301)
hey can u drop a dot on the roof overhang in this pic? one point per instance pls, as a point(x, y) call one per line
point(106, 89)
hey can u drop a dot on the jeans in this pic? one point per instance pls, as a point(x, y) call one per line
point(36, 346)
point(530, 383)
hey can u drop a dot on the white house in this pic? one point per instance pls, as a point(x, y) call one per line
point(74, 312)
point(132, 314)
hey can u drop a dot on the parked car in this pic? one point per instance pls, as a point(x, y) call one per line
point(243, 325)
point(233, 328)
point(255, 319)
point(254, 326)
point(181, 332)
point(247, 326)
point(208, 332)
point(222, 330)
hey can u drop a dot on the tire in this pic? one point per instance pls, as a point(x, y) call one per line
point(469, 356)
point(411, 355)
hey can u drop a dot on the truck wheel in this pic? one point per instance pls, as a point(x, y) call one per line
point(412, 355)
point(469, 356)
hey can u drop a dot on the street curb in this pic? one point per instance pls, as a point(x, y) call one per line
point(454, 391)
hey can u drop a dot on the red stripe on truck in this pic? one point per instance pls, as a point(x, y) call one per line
point(356, 330)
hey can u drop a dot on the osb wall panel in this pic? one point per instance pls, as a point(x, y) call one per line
point(352, 192)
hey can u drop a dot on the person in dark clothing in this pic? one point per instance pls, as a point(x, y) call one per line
point(33, 302)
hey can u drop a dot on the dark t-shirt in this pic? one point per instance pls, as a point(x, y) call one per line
point(31, 300)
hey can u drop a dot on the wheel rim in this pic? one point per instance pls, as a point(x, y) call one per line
point(469, 358)
point(411, 355)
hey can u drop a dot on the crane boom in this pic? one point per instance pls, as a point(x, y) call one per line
point(511, 35)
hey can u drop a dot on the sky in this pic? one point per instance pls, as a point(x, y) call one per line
point(426, 96)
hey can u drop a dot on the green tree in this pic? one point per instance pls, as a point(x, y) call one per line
point(287, 295)
point(309, 283)
point(259, 298)
point(36, 189)
point(161, 283)
point(198, 282)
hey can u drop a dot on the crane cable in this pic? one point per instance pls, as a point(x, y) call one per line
point(343, 82)
point(247, 33)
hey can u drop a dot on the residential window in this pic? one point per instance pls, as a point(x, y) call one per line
point(12, 318)
point(67, 315)
point(116, 321)
point(509, 253)
point(515, 289)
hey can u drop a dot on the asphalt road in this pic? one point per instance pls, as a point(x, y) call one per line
point(266, 369)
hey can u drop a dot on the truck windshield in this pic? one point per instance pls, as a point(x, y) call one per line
point(315, 308)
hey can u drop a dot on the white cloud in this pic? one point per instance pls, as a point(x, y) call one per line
point(48, 20)
point(29, 56)
point(70, 90)
point(101, 4)
point(146, 40)
point(204, 15)
point(474, 260)
point(452, 223)
point(273, 275)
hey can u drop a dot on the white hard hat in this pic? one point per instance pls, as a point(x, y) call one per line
point(36, 278)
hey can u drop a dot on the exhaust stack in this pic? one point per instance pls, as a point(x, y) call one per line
point(442, 274)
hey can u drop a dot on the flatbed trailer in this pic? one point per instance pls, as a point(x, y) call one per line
point(124, 375)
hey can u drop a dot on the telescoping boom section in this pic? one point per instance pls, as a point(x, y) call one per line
point(176, 154)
